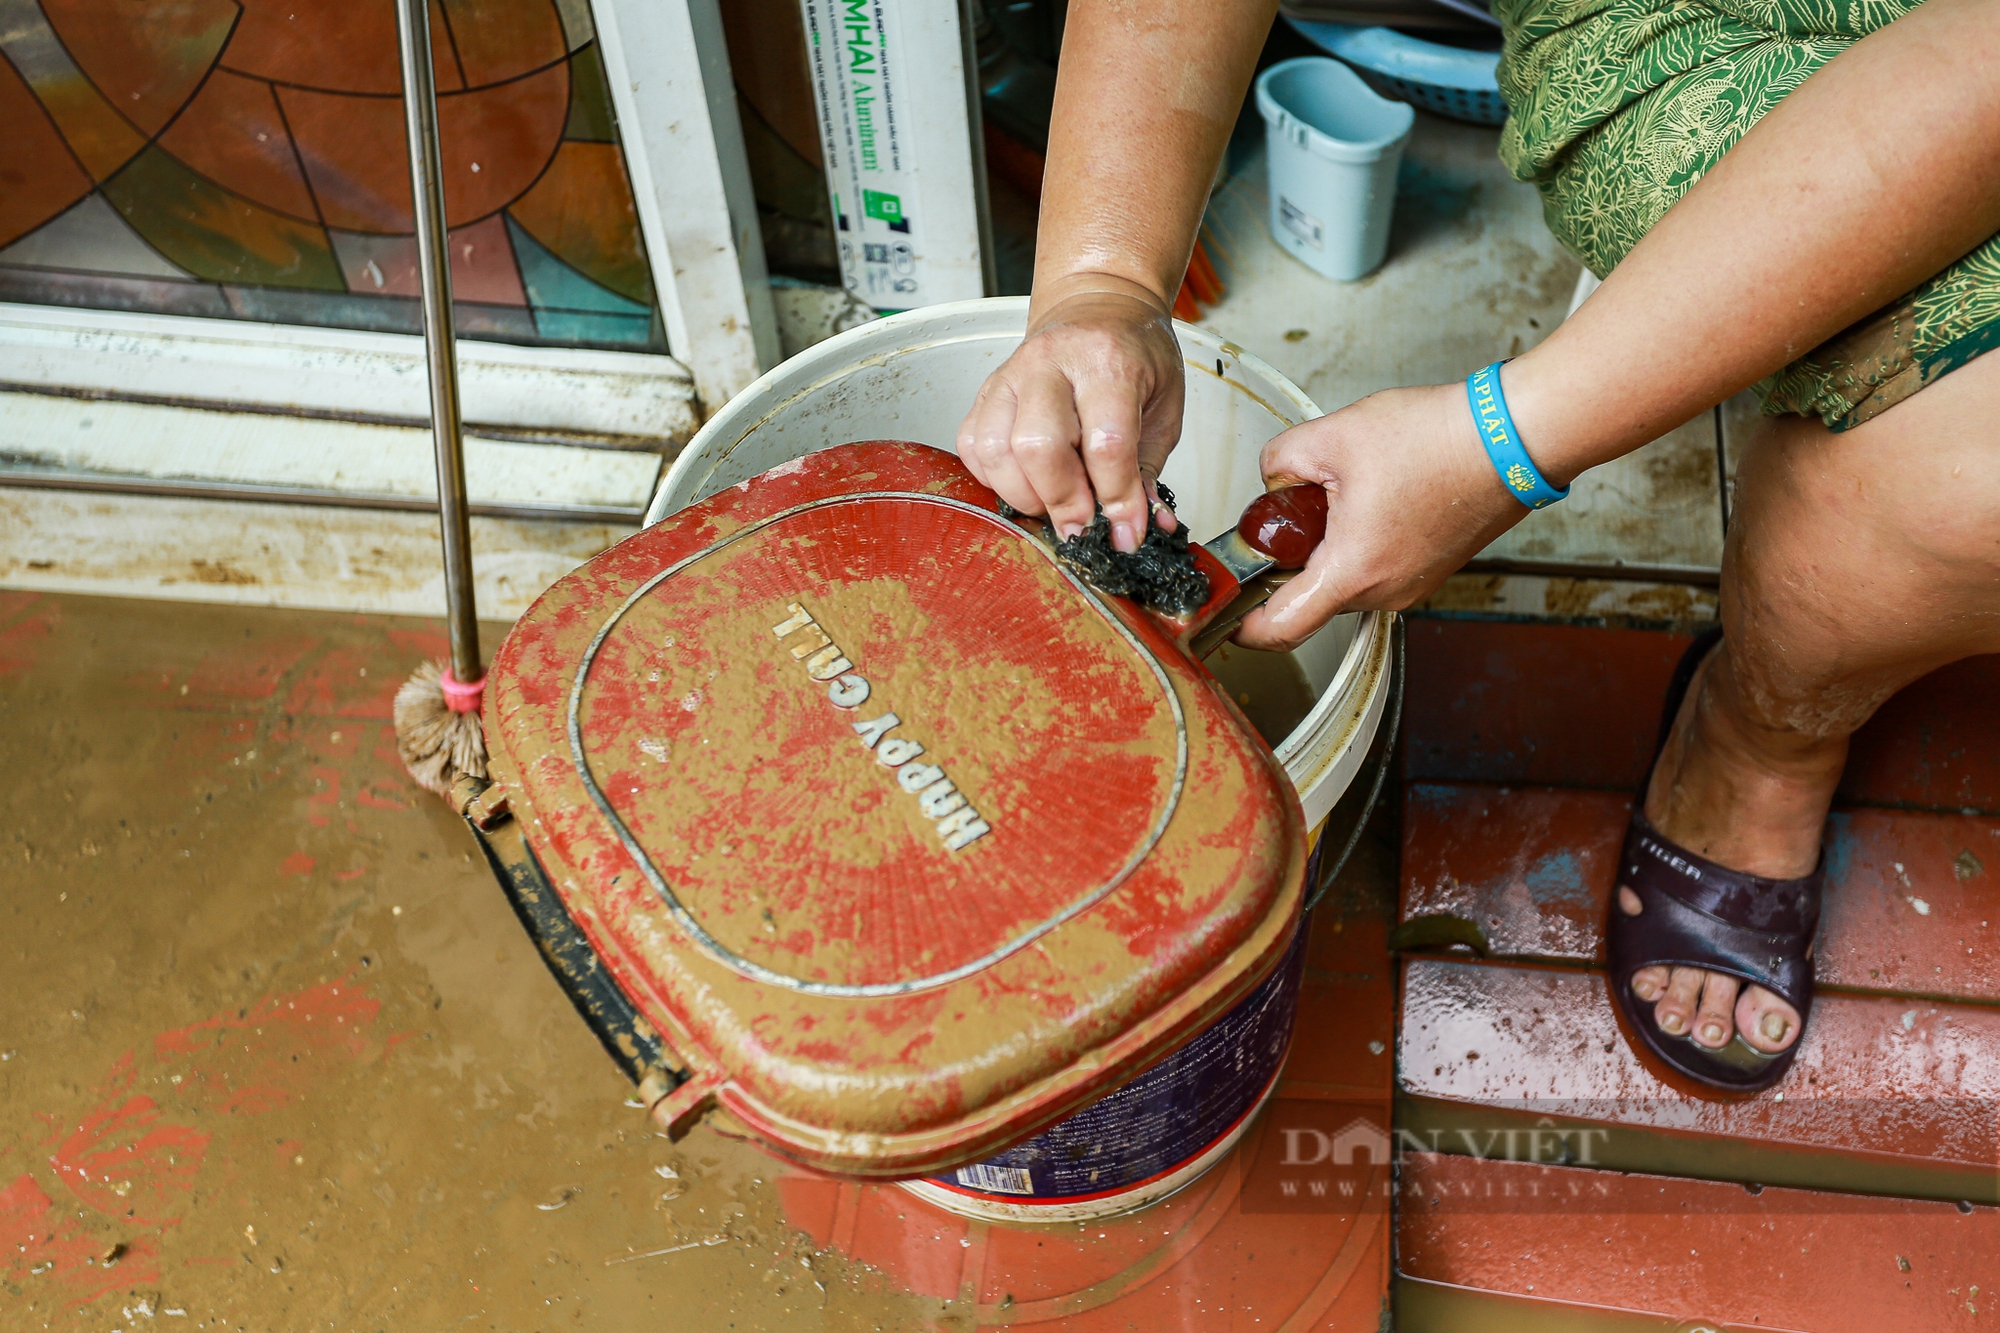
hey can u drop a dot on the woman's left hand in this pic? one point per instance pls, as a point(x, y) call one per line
point(1411, 496)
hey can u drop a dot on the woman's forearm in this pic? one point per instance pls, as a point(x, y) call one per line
point(1882, 169)
point(1146, 97)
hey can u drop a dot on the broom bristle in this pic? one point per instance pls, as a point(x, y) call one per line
point(437, 745)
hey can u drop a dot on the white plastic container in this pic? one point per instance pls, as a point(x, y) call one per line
point(902, 176)
point(1334, 147)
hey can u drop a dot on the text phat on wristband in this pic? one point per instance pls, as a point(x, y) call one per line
point(1503, 442)
point(958, 824)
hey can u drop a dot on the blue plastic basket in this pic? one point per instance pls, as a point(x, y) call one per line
point(1447, 80)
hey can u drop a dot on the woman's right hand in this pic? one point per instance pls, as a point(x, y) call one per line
point(1411, 496)
point(1085, 411)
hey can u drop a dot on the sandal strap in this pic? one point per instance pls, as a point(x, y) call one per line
point(1752, 902)
point(1698, 914)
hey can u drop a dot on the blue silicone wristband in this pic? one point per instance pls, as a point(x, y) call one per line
point(1503, 443)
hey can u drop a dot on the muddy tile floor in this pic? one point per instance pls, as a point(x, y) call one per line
point(274, 1052)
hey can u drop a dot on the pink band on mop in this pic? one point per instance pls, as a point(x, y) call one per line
point(461, 698)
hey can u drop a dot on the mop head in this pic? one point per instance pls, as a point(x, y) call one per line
point(438, 743)
point(1161, 575)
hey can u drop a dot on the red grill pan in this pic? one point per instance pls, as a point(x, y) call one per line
point(854, 820)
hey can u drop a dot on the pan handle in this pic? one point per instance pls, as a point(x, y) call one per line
point(1286, 524)
point(1270, 543)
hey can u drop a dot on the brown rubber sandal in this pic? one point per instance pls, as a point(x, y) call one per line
point(1698, 914)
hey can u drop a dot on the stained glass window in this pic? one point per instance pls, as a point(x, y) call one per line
point(246, 159)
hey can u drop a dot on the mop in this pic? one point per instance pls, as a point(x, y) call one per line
point(438, 731)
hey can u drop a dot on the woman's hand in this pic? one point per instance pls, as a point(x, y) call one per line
point(1146, 97)
point(1084, 412)
point(1411, 496)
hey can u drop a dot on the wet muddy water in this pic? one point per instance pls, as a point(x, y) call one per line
point(275, 1053)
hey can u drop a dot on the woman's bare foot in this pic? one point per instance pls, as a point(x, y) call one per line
point(1753, 798)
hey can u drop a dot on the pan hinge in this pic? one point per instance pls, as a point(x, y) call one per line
point(482, 803)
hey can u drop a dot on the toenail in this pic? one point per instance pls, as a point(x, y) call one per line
point(1712, 1033)
point(1774, 1027)
point(1672, 1023)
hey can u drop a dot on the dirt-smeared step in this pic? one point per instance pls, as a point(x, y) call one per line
point(1524, 744)
point(1887, 1096)
point(1497, 1246)
point(1912, 898)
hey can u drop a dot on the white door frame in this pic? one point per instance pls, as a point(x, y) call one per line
point(668, 67)
point(631, 399)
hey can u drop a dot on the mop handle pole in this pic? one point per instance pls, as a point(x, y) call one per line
point(413, 28)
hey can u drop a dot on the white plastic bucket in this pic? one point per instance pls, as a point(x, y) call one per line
point(911, 377)
point(1334, 147)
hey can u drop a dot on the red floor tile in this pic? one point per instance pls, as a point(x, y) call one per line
point(1343, 1043)
point(1562, 1242)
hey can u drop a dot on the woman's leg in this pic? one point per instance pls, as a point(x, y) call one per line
point(1856, 563)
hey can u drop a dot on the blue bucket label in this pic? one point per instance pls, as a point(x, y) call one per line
point(1162, 1120)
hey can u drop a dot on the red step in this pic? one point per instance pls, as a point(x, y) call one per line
point(1910, 909)
point(1523, 746)
point(1496, 1246)
point(1563, 705)
point(1560, 705)
point(1887, 1096)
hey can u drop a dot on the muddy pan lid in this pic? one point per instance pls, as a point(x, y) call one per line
point(907, 843)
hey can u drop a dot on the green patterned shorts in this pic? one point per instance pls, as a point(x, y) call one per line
point(1619, 106)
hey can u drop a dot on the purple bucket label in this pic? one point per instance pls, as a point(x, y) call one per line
point(1161, 1121)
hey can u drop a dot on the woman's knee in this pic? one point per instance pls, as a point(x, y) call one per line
point(1909, 500)
point(1859, 561)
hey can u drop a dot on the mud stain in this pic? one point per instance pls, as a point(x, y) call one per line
point(1675, 606)
point(274, 1052)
